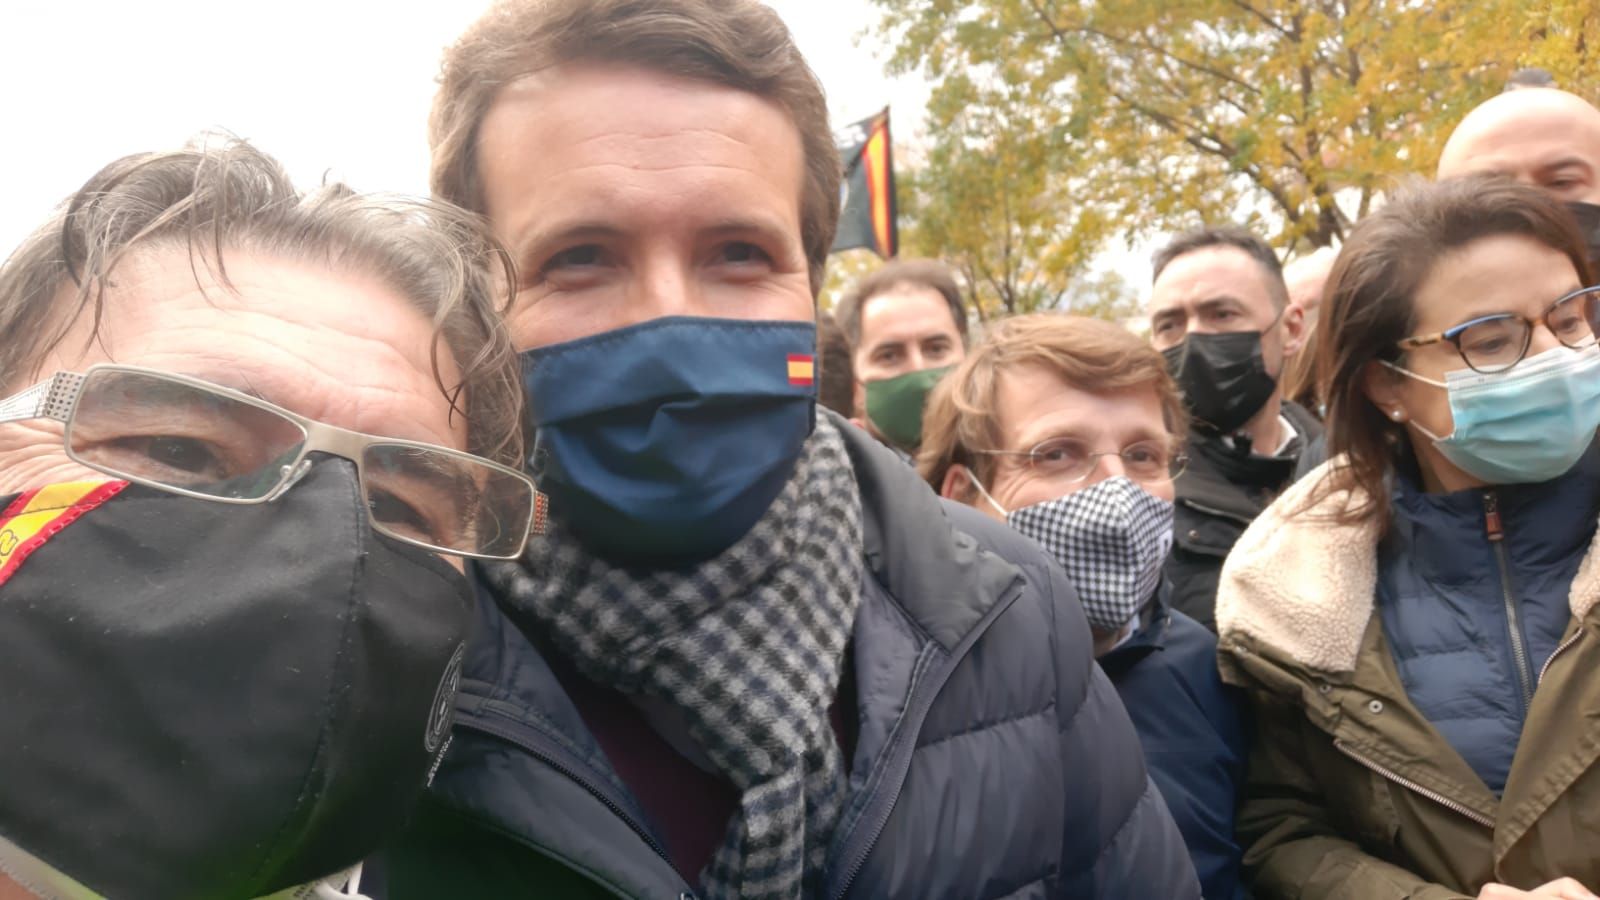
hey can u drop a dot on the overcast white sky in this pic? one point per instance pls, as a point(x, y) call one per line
point(339, 86)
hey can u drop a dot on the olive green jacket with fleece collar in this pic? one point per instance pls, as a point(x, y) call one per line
point(1352, 793)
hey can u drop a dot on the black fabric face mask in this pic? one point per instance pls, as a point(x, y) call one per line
point(1588, 216)
point(206, 701)
point(1223, 378)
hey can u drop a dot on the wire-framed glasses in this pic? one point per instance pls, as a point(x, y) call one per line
point(1495, 343)
point(1070, 460)
point(191, 437)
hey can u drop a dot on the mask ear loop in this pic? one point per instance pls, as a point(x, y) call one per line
point(1409, 419)
point(979, 485)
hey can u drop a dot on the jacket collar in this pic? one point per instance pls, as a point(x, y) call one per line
point(924, 572)
point(936, 576)
point(1300, 585)
point(942, 581)
point(1543, 523)
point(1154, 621)
point(1223, 480)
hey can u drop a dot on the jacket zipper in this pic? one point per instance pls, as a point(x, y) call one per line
point(905, 738)
point(1407, 783)
point(900, 763)
point(1558, 651)
point(510, 734)
point(1519, 648)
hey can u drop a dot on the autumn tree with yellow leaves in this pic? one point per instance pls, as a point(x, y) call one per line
point(1058, 126)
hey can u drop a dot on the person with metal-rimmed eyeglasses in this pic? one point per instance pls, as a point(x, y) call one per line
point(250, 440)
point(1070, 430)
point(1069, 460)
point(1414, 620)
point(199, 439)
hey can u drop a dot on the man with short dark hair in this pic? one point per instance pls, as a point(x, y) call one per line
point(1220, 312)
point(907, 325)
point(1540, 136)
point(754, 656)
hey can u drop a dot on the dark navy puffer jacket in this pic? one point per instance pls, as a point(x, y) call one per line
point(1194, 734)
point(1472, 619)
point(993, 760)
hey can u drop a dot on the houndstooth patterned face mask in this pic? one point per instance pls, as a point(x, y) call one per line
point(1112, 539)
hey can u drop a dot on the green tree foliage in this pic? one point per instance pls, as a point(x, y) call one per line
point(1058, 125)
point(845, 268)
point(986, 201)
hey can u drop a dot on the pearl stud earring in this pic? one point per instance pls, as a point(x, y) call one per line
point(1397, 415)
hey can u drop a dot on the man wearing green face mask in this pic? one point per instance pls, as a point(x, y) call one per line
point(907, 326)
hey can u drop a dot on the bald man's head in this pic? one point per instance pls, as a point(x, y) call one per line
point(1540, 136)
point(1306, 277)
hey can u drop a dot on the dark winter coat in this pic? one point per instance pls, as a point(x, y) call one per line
point(1355, 787)
point(1192, 729)
point(993, 758)
point(1471, 615)
point(1219, 494)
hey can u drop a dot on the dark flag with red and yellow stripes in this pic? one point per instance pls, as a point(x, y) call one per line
point(867, 213)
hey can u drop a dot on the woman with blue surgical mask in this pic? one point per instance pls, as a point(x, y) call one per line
point(1069, 429)
point(1415, 619)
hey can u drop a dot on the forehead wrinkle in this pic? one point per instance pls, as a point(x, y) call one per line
point(1122, 430)
point(594, 200)
point(573, 186)
point(1042, 429)
point(1481, 288)
point(909, 332)
point(288, 385)
point(624, 138)
point(311, 381)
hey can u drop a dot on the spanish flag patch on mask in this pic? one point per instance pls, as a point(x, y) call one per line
point(33, 517)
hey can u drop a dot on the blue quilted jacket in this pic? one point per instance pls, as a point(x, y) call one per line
point(1472, 591)
point(993, 759)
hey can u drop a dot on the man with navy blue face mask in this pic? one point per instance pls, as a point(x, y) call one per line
point(753, 658)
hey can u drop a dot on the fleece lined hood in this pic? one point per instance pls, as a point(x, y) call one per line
point(1299, 585)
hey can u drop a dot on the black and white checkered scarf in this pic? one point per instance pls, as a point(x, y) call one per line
point(749, 645)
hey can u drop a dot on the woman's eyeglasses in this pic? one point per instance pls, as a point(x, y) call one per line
point(198, 439)
point(1070, 460)
point(1493, 344)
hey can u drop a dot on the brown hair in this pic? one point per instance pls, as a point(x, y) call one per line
point(1368, 308)
point(918, 272)
point(225, 196)
point(1090, 354)
point(836, 372)
point(739, 44)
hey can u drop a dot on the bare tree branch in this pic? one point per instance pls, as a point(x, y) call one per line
point(1061, 34)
